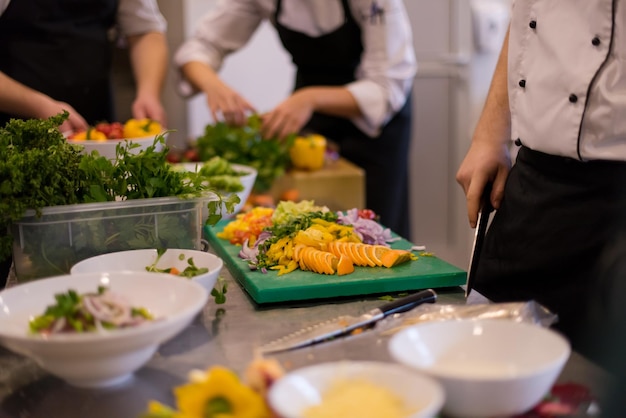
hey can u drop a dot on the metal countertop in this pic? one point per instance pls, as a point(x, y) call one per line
point(222, 334)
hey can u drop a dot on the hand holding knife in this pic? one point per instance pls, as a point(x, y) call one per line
point(484, 211)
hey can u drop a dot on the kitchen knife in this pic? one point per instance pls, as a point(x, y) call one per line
point(346, 324)
point(479, 236)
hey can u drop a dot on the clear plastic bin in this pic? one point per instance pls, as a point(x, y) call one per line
point(51, 244)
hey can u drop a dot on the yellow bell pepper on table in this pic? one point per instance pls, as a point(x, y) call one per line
point(139, 128)
point(308, 152)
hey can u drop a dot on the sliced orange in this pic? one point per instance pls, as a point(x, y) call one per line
point(377, 253)
point(363, 250)
point(394, 257)
point(344, 266)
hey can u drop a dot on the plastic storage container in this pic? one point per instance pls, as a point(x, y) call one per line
point(50, 244)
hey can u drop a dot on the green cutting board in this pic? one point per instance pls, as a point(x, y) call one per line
point(426, 272)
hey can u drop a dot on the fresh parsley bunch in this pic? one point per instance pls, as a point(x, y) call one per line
point(39, 168)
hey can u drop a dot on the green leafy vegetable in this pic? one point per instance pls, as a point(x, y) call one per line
point(219, 291)
point(246, 145)
point(39, 169)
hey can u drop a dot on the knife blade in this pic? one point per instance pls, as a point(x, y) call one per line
point(479, 236)
point(345, 324)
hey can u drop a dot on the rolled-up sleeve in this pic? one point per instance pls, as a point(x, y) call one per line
point(136, 17)
point(388, 66)
point(222, 31)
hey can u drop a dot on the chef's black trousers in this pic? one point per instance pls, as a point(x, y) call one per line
point(557, 217)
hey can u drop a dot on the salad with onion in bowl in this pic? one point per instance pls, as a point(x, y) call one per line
point(89, 312)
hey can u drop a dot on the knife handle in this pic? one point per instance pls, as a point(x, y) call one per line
point(409, 302)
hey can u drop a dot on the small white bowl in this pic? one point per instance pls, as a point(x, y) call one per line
point(247, 181)
point(106, 148)
point(99, 359)
point(487, 367)
point(290, 395)
point(138, 260)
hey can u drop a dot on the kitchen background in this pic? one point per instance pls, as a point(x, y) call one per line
point(457, 44)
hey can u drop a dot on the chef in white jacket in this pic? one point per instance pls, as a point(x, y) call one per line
point(355, 68)
point(558, 94)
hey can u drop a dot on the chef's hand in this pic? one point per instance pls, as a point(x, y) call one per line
point(148, 106)
point(485, 162)
point(227, 105)
point(75, 122)
point(289, 116)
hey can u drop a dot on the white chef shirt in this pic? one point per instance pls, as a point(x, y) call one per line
point(567, 77)
point(383, 78)
point(134, 17)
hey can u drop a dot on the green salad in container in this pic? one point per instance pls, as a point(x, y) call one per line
point(60, 205)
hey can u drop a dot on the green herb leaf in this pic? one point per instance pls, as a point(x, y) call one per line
point(219, 291)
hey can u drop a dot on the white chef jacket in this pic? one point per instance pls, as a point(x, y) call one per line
point(567, 77)
point(383, 78)
point(134, 17)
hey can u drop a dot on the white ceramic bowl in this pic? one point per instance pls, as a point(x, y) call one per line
point(107, 148)
point(138, 260)
point(247, 181)
point(487, 367)
point(99, 359)
point(297, 390)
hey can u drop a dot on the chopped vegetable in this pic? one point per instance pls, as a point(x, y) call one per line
point(88, 312)
point(190, 271)
point(219, 291)
point(394, 257)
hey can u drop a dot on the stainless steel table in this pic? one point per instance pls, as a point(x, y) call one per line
point(223, 334)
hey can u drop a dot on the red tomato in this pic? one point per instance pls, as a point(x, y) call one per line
point(173, 157)
point(103, 127)
point(113, 130)
point(116, 130)
point(191, 154)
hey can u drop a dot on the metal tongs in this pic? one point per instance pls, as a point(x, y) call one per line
point(484, 211)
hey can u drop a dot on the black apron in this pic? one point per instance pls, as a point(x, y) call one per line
point(61, 48)
point(331, 60)
point(556, 220)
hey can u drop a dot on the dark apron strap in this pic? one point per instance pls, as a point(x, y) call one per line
point(332, 59)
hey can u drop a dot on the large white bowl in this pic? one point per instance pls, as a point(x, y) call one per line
point(487, 367)
point(138, 260)
point(106, 148)
point(302, 388)
point(106, 358)
point(247, 181)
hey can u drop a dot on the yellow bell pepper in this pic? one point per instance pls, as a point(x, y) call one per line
point(139, 128)
point(308, 152)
